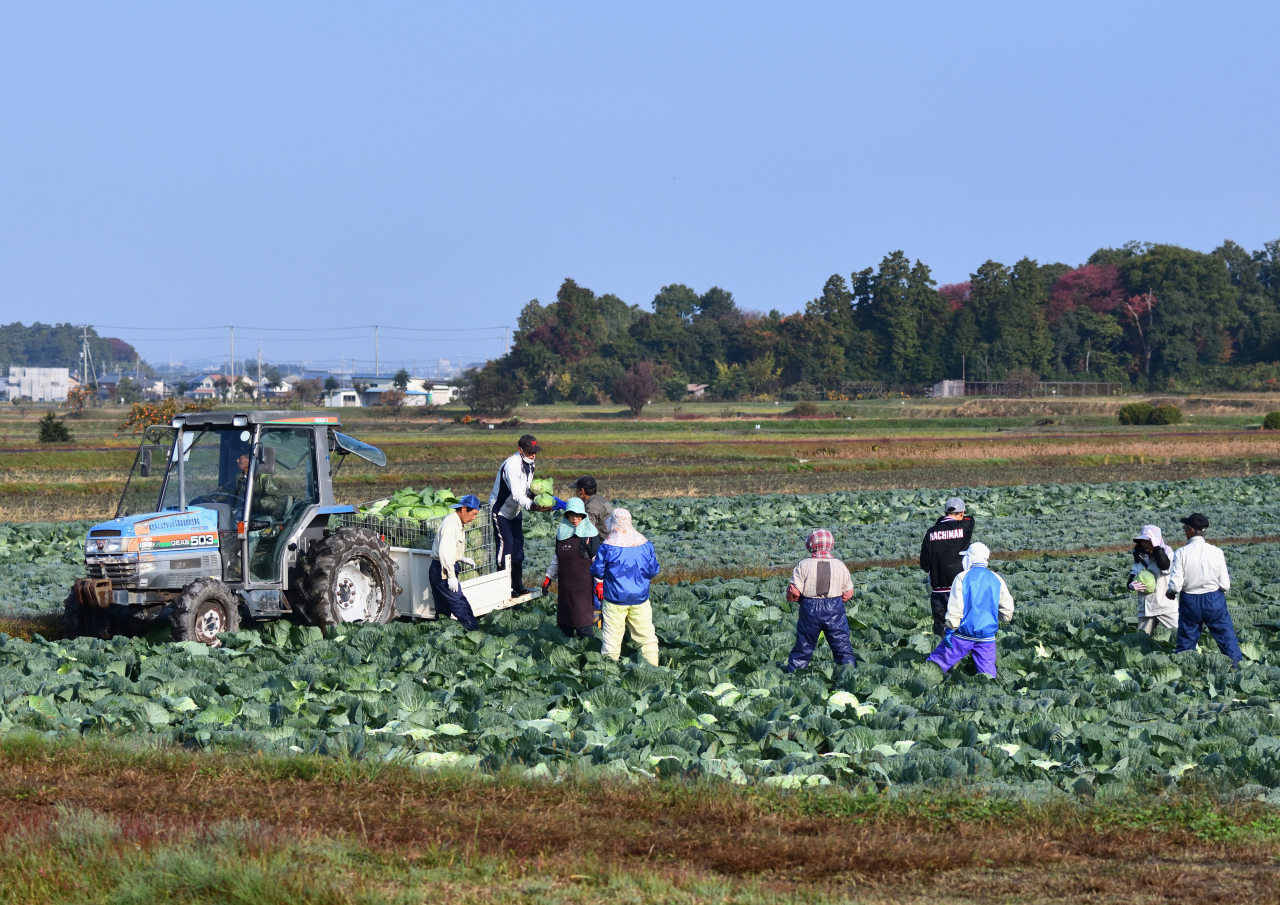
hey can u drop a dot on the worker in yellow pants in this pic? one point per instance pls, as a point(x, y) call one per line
point(623, 567)
point(639, 618)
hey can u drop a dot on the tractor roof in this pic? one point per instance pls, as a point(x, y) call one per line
point(238, 419)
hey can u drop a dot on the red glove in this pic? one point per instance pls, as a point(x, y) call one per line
point(546, 583)
point(600, 591)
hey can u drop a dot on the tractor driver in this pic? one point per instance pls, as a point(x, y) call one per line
point(267, 498)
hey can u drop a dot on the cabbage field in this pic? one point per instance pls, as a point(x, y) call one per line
point(768, 530)
point(1083, 702)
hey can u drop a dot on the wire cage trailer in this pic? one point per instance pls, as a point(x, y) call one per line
point(487, 584)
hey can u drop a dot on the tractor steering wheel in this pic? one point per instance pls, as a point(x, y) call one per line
point(217, 496)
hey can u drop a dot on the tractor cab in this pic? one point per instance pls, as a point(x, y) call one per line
point(235, 499)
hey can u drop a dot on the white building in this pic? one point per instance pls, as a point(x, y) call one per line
point(342, 399)
point(38, 384)
point(418, 391)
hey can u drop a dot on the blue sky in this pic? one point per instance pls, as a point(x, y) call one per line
point(334, 165)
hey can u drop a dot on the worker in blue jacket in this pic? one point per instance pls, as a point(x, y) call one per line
point(623, 567)
point(979, 602)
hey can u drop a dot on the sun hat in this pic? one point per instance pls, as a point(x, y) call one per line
point(621, 532)
point(977, 555)
point(584, 528)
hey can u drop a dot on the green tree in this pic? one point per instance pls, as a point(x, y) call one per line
point(401, 380)
point(51, 429)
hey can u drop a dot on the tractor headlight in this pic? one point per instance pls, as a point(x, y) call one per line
point(144, 568)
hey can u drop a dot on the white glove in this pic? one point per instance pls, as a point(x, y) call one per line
point(453, 584)
point(469, 561)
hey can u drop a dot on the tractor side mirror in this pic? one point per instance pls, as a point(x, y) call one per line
point(267, 460)
point(148, 454)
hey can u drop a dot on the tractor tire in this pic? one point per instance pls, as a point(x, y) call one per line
point(79, 621)
point(349, 577)
point(206, 609)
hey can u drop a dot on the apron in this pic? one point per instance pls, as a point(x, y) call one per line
point(575, 595)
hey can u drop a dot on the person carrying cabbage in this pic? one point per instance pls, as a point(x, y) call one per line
point(623, 567)
point(1149, 577)
point(577, 542)
point(513, 493)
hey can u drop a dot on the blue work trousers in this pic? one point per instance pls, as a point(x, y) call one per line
point(450, 603)
point(821, 615)
point(1210, 611)
point(511, 543)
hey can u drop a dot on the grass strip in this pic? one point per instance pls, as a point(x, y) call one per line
point(98, 821)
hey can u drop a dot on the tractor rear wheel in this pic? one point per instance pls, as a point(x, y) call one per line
point(206, 609)
point(350, 578)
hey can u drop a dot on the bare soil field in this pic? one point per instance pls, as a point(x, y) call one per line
point(84, 823)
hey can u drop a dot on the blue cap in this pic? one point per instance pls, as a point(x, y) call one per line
point(469, 501)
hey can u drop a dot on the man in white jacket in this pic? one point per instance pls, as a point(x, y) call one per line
point(511, 496)
point(1198, 578)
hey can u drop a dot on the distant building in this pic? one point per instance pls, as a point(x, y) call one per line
point(342, 399)
point(418, 391)
point(38, 384)
point(697, 390)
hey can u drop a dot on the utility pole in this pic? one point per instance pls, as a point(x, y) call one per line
point(506, 340)
point(377, 365)
point(257, 393)
point(232, 391)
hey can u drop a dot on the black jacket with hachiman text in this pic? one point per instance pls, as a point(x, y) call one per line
point(940, 551)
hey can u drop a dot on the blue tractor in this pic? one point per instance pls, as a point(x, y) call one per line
point(230, 516)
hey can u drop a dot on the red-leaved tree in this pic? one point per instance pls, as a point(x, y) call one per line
point(635, 388)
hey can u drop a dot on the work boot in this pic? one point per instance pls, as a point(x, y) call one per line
point(517, 582)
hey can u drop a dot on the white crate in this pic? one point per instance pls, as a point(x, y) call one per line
point(485, 593)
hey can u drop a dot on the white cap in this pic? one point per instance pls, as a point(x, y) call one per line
point(976, 555)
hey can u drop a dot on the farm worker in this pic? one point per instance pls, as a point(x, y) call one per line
point(577, 542)
point(623, 567)
point(822, 585)
point(1199, 576)
point(1152, 554)
point(598, 508)
point(267, 498)
point(510, 497)
point(940, 557)
point(979, 601)
point(448, 554)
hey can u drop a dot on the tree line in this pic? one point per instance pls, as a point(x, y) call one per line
point(58, 346)
point(1149, 316)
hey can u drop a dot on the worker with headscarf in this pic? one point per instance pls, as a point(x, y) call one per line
point(577, 542)
point(623, 567)
point(1153, 556)
point(980, 600)
point(822, 585)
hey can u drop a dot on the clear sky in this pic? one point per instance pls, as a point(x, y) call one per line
point(278, 165)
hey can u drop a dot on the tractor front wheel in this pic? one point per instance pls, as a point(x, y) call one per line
point(79, 620)
point(206, 609)
point(350, 578)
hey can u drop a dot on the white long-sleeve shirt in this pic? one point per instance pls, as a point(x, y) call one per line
point(450, 544)
point(518, 475)
point(1199, 568)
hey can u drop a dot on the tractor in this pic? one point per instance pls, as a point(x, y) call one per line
point(230, 516)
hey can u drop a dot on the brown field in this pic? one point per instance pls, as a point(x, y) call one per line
point(78, 822)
